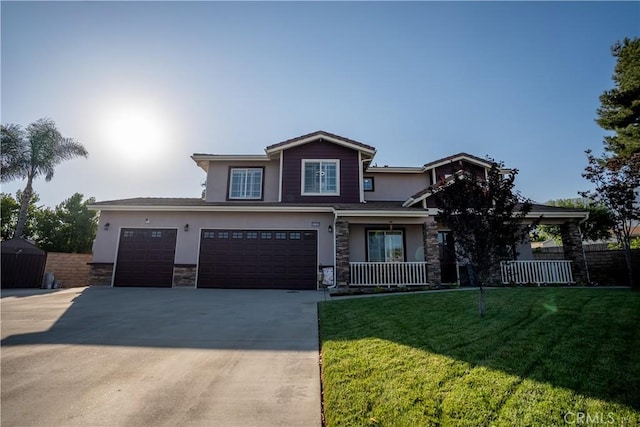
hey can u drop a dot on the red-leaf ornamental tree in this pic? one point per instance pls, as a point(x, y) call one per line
point(617, 186)
point(485, 216)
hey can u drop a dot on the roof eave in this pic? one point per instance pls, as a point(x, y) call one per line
point(394, 169)
point(202, 160)
point(208, 208)
point(384, 213)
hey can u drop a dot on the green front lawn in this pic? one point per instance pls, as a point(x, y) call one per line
point(539, 357)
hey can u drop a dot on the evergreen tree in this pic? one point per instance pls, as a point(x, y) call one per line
point(620, 107)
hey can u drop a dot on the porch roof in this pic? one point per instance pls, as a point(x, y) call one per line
point(556, 212)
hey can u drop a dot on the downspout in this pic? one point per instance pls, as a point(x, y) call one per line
point(361, 175)
point(280, 177)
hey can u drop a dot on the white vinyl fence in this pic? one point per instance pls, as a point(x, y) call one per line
point(540, 272)
point(388, 273)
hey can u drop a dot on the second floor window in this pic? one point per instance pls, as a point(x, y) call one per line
point(245, 183)
point(367, 183)
point(321, 177)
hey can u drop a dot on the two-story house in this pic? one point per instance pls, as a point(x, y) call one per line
point(275, 220)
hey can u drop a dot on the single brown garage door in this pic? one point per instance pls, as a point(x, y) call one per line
point(146, 257)
point(258, 259)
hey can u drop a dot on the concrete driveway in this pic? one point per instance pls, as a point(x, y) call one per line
point(162, 357)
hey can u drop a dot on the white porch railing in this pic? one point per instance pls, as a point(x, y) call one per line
point(388, 273)
point(540, 272)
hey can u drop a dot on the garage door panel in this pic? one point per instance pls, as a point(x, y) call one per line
point(259, 259)
point(145, 257)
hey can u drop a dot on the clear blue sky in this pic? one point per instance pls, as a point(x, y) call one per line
point(144, 85)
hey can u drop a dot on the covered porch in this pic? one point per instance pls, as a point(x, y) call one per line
point(391, 247)
point(388, 249)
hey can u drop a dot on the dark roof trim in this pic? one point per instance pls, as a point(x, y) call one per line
point(456, 157)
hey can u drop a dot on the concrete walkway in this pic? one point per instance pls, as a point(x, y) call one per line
point(161, 357)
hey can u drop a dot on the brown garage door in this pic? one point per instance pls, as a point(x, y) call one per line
point(258, 259)
point(145, 257)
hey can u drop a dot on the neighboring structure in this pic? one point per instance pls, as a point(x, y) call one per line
point(22, 264)
point(275, 220)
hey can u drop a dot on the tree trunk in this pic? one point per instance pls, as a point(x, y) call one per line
point(475, 280)
point(24, 208)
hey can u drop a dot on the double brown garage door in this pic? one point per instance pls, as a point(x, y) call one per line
point(249, 259)
point(258, 259)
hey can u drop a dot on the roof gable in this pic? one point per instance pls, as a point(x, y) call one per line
point(325, 136)
point(457, 157)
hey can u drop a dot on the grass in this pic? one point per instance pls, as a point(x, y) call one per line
point(539, 357)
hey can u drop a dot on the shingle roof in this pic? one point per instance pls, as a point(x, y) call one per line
point(321, 133)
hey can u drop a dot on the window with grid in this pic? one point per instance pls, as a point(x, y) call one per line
point(321, 177)
point(245, 183)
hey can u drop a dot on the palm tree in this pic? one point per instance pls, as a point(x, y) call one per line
point(32, 152)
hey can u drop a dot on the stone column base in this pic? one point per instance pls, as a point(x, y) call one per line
point(184, 276)
point(100, 274)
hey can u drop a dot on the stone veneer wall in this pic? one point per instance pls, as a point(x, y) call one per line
point(573, 251)
point(431, 251)
point(100, 274)
point(184, 276)
point(342, 271)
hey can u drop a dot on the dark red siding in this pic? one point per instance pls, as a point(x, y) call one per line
point(292, 169)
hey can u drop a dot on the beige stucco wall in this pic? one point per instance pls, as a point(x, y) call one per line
point(395, 186)
point(187, 244)
point(218, 179)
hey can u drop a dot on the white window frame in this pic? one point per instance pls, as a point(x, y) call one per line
point(302, 176)
point(245, 196)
